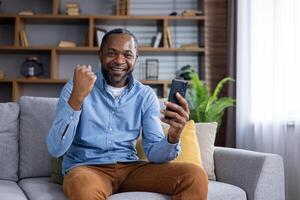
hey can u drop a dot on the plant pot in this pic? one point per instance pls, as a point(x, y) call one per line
point(206, 134)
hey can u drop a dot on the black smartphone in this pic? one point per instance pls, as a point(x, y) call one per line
point(179, 86)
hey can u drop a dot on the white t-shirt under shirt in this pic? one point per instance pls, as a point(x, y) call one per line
point(114, 91)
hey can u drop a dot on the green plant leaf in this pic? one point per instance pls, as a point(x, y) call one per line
point(205, 107)
point(217, 109)
point(220, 86)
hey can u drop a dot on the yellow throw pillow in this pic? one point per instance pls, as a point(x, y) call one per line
point(190, 150)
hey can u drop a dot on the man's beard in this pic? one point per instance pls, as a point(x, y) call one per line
point(109, 78)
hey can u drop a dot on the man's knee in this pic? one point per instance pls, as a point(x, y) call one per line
point(81, 185)
point(195, 174)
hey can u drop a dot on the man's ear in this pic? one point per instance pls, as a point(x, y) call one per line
point(137, 56)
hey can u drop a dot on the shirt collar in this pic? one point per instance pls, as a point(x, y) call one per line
point(101, 82)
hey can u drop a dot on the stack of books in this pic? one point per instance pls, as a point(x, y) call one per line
point(72, 8)
point(191, 13)
point(66, 44)
point(26, 12)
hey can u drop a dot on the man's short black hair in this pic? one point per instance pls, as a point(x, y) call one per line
point(118, 31)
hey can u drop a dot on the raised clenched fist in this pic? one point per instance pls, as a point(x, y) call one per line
point(83, 82)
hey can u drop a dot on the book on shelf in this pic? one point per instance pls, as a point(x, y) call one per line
point(26, 12)
point(23, 38)
point(66, 44)
point(165, 37)
point(169, 37)
point(99, 34)
point(2, 75)
point(157, 40)
point(123, 7)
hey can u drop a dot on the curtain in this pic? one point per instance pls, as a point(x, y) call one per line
point(231, 54)
point(268, 82)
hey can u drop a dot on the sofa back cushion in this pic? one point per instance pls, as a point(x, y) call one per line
point(36, 118)
point(9, 137)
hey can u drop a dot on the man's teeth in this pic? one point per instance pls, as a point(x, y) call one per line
point(116, 69)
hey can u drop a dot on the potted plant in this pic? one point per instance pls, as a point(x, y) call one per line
point(204, 106)
point(207, 110)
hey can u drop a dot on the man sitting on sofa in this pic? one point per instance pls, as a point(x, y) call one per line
point(97, 124)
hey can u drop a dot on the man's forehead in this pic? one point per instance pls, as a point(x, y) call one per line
point(120, 39)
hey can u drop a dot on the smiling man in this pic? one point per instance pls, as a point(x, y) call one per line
point(98, 121)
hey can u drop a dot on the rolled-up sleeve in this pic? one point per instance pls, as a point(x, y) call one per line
point(155, 143)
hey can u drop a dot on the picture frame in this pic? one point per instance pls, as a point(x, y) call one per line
point(152, 69)
point(99, 34)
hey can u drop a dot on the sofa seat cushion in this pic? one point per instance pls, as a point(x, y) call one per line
point(41, 189)
point(10, 190)
point(224, 191)
point(44, 189)
point(139, 196)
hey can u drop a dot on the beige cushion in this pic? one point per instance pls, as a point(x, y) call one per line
point(206, 133)
point(190, 151)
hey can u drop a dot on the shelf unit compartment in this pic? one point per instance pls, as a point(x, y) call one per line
point(49, 31)
point(184, 32)
point(158, 7)
point(92, 7)
point(38, 89)
point(5, 91)
point(169, 64)
point(144, 29)
point(67, 62)
point(12, 60)
point(7, 31)
point(16, 6)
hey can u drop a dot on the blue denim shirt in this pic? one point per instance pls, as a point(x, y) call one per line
point(106, 129)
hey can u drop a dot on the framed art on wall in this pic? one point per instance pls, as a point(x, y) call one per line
point(152, 69)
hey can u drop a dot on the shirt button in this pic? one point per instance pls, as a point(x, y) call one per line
point(71, 117)
point(110, 129)
point(113, 112)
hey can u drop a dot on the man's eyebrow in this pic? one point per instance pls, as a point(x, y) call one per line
point(112, 49)
point(128, 51)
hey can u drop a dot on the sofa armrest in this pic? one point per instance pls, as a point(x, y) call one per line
point(261, 175)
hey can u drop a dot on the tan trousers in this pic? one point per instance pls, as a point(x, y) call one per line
point(182, 181)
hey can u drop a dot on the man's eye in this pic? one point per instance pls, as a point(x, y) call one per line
point(128, 55)
point(110, 53)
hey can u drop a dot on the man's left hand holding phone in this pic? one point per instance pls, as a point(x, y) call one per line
point(83, 82)
point(177, 116)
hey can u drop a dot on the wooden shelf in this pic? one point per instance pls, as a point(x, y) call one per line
point(95, 49)
point(107, 17)
point(41, 81)
point(44, 31)
point(5, 81)
point(156, 81)
point(63, 81)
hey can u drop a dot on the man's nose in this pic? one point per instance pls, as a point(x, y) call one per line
point(120, 59)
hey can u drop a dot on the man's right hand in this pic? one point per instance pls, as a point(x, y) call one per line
point(83, 82)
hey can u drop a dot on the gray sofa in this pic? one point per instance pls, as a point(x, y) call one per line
point(25, 165)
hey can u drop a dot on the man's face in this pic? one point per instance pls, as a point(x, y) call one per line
point(118, 58)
